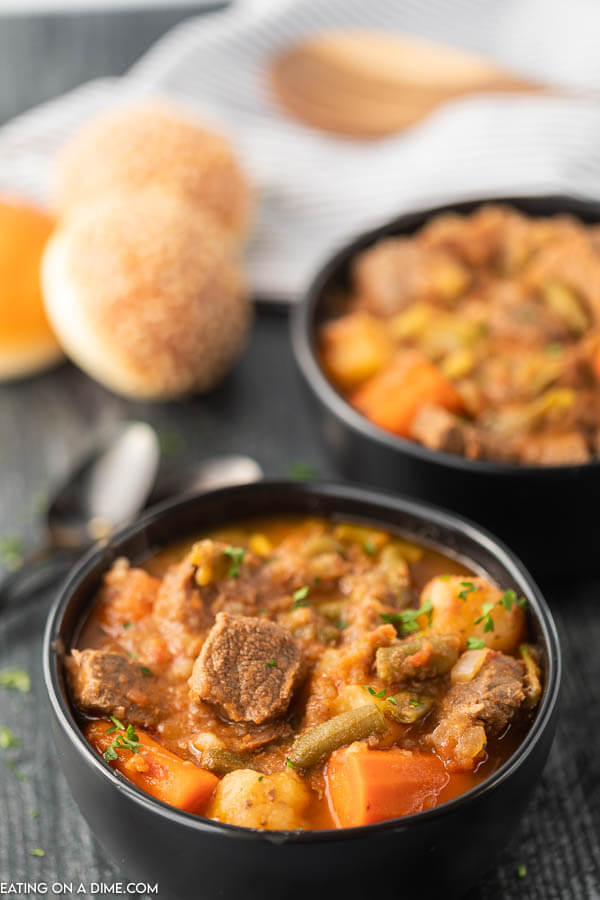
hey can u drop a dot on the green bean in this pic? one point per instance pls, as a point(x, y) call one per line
point(533, 687)
point(323, 739)
point(222, 761)
point(395, 663)
point(405, 707)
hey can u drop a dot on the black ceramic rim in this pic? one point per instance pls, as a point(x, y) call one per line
point(329, 492)
point(305, 314)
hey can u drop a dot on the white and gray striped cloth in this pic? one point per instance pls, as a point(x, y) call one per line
point(316, 191)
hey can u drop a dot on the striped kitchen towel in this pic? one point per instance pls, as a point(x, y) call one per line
point(316, 191)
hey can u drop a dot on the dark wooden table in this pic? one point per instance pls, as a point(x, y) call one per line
point(261, 410)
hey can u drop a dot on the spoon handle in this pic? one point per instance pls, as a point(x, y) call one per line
point(39, 570)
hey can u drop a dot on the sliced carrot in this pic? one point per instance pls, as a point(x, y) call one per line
point(366, 786)
point(596, 362)
point(156, 770)
point(393, 397)
point(354, 347)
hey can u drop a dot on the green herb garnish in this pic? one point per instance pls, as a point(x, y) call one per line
point(406, 621)
point(236, 555)
point(486, 617)
point(300, 470)
point(8, 738)
point(508, 599)
point(15, 679)
point(369, 547)
point(522, 870)
point(260, 778)
point(413, 702)
point(474, 643)
point(128, 741)
point(467, 588)
point(300, 596)
point(11, 551)
point(10, 764)
point(272, 663)
point(127, 624)
point(34, 813)
point(379, 695)
point(145, 670)
point(36, 851)
point(289, 763)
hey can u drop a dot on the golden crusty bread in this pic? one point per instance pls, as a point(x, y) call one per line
point(145, 294)
point(152, 145)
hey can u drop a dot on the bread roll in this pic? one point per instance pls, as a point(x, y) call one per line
point(146, 295)
point(133, 148)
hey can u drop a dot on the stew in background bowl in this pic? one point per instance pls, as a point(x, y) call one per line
point(546, 512)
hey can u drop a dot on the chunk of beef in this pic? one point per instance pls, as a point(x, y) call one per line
point(473, 711)
point(106, 682)
point(439, 429)
point(397, 271)
point(555, 449)
point(207, 580)
point(248, 668)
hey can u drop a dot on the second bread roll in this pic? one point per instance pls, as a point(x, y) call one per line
point(152, 145)
point(145, 295)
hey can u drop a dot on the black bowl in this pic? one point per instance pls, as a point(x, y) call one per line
point(548, 514)
point(444, 849)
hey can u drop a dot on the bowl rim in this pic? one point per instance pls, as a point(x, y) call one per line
point(303, 339)
point(428, 513)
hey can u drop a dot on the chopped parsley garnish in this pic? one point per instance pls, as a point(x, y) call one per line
point(392, 700)
point(170, 443)
point(127, 624)
point(522, 870)
point(486, 617)
point(341, 624)
point(34, 813)
point(128, 741)
point(300, 596)
point(406, 621)
point(11, 552)
point(262, 610)
point(260, 778)
point(369, 547)
point(474, 643)
point(413, 702)
point(379, 695)
point(37, 851)
point(300, 470)
point(236, 555)
point(508, 599)
point(145, 670)
point(15, 679)
point(290, 763)
point(467, 588)
point(272, 663)
point(8, 738)
point(10, 764)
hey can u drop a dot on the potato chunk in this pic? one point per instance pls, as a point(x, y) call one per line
point(251, 800)
point(460, 601)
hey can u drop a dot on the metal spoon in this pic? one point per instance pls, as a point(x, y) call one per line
point(109, 488)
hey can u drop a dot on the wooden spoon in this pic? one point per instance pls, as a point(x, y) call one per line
point(368, 84)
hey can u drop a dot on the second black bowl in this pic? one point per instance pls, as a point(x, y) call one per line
point(548, 514)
